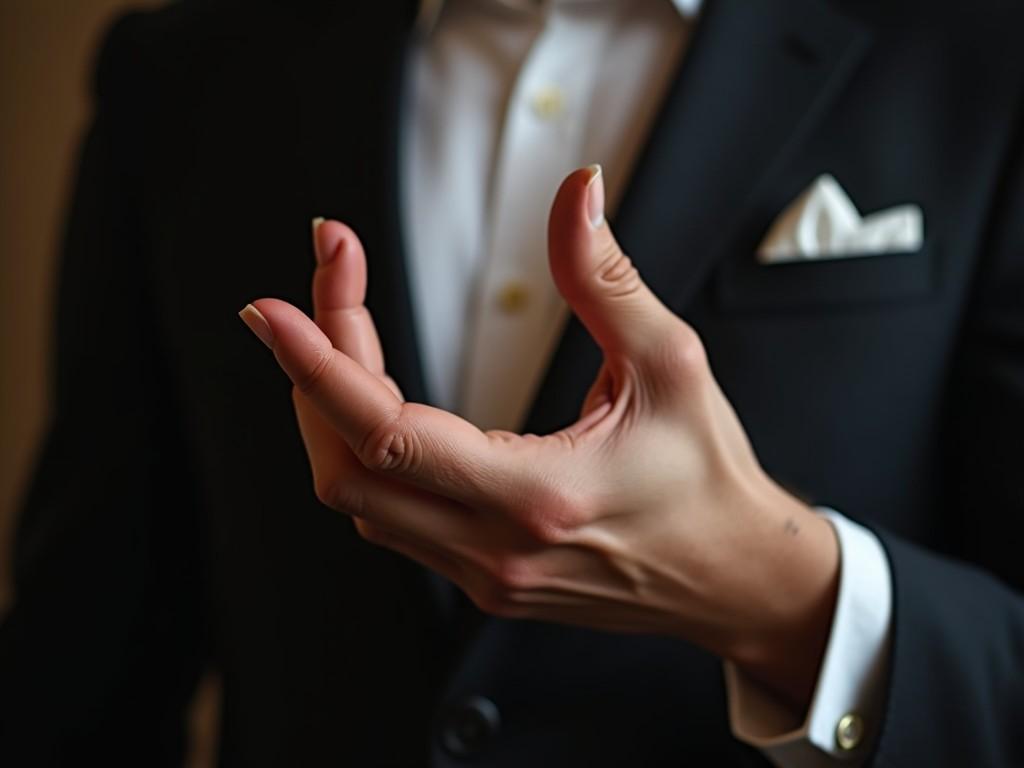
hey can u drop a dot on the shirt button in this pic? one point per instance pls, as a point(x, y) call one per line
point(470, 726)
point(513, 297)
point(849, 731)
point(548, 102)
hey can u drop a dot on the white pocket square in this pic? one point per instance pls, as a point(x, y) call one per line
point(824, 224)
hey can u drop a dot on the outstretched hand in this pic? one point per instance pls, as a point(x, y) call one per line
point(649, 514)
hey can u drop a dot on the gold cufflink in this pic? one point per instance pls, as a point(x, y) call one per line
point(849, 731)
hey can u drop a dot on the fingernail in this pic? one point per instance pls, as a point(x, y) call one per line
point(257, 324)
point(595, 196)
point(316, 245)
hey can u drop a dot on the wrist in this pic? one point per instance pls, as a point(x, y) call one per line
point(796, 588)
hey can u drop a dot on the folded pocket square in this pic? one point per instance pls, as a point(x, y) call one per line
point(824, 224)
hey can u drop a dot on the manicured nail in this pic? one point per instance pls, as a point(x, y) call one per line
point(257, 324)
point(316, 245)
point(595, 196)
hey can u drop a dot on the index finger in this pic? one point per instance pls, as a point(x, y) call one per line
point(429, 447)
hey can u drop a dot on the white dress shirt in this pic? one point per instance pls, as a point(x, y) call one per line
point(506, 97)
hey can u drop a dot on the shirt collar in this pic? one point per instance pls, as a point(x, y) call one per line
point(431, 9)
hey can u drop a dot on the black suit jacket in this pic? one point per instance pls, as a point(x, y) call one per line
point(172, 521)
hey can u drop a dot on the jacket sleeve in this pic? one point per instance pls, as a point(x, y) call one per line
point(956, 691)
point(103, 644)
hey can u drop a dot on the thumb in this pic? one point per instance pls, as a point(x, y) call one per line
point(594, 276)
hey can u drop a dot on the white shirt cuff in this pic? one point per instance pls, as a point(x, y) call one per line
point(846, 709)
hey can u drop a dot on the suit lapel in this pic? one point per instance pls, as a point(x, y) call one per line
point(754, 83)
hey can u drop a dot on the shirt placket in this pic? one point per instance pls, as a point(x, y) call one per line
point(518, 314)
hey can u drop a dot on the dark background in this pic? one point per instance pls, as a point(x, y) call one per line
point(46, 54)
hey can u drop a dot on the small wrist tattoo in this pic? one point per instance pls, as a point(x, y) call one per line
point(791, 527)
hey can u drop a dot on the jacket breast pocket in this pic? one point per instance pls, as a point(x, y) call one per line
point(876, 278)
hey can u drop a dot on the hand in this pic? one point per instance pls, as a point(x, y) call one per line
point(649, 514)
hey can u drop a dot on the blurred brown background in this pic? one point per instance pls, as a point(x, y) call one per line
point(46, 52)
point(47, 48)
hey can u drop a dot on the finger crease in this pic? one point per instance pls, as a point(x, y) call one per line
point(309, 382)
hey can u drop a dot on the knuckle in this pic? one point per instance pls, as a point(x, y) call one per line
point(495, 600)
point(545, 526)
point(616, 273)
point(324, 490)
point(551, 515)
point(390, 447)
point(511, 574)
point(683, 352)
point(338, 493)
point(369, 532)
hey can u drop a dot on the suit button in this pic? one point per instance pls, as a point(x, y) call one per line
point(470, 725)
point(548, 103)
point(513, 297)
